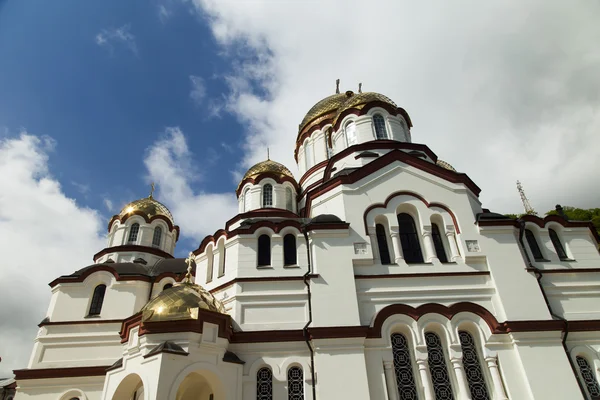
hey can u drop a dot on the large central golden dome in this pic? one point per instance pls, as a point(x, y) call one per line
point(326, 106)
point(147, 206)
point(267, 166)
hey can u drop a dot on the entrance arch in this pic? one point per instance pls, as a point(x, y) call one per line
point(201, 384)
point(130, 388)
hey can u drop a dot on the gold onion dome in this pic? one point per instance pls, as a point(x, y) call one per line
point(267, 166)
point(180, 302)
point(147, 206)
point(324, 107)
point(444, 164)
point(359, 100)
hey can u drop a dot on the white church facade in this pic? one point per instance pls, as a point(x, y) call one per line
point(377, 275)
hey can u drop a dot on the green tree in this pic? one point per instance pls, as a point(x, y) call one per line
point(580, 214)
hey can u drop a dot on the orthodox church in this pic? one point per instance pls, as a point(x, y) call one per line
point(376, 275)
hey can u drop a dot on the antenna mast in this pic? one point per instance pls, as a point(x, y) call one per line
point(528, 209)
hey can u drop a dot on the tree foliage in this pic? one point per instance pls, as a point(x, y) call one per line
point(580, 214)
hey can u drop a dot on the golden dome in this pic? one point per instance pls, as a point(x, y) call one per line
point(267, 166)
point(182, 301)
point(149, 207)
point(444, 164)
point(360, 100)
point(326, 106)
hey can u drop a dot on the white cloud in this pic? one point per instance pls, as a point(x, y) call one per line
point(44, 234)
point(117, 36)
point(108, 204)
point(503, 91)
point(198, 89)
point(169, 164)
point(164, 13)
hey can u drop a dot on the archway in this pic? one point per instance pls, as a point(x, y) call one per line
point(201, 385)
point(130, 388)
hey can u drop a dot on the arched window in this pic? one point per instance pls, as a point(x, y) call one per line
point(379, 123)
point(157, 236)
point(133, 233)
point(560, 250)
point(167, 286)
point(267, 195)
point(384, 252)
point(247, 200)
point(210, 263)
point(289, 250)
point(350, 131)
point(307, 155)
point(97, 300)
point(411, 247)
point(289, 203)
point(589, 377)
point(264, 250)
point(438, 243)
point(222, 253)
point(533, 245)
point(437, 367)
point(470, 359)
point(264, 384)
point(405, 379)
point(295, 384)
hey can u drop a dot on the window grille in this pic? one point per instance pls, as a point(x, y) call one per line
point(384, 252)
point(157, 236)
point(560, 250)
point(350, 134)
point(97, 300)
point(533, 245)
point(267, 195)
point(405, 380)
point(438, 243)
point(289, 203)
point(289, 250)
point(589, 377)
point(477, 385)
point(437, 367)
point(295, 384)
point(133, 233)
point(264, 251)
point(264, 384)
point(247, 200)
point(380, 130)
point(409, 239)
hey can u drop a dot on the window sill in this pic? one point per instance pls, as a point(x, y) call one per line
point(568, 259)
point(95, 316)
point(264, 267)
point(541, 260)
point(291, 266)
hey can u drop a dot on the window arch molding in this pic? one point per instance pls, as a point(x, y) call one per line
point(274, 200)
point(560, 233)
point(536, 231)
point(436, 220)
point(209, 252)
point(589, 354)
point(99, 278)
point(71, 393)
point(385, 115)
point(288, 186)
point(383, 220)
point(221, 256)
point(290, 363)
point(346, 129)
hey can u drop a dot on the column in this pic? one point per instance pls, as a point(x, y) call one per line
point(390, 380)
point(430, 255)
point(425, 379)
point(374, 245)
point(499, 393)
point(396, 245)
point(461, 378)
point(451, 235)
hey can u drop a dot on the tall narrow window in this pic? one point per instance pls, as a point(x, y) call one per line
point(295, 384)
point(350, 132)
point(384, 252)
point(289, 202)
point(437, 367)
point(267, 195)
point(589, 377)
point(247, 200)
point(210, 261)
point(307, 156)
point(222, 260)
point(477, 385)
point(264, 384)
point(157, 236)
point(533, 245)
point(97, 300)
point(411, 247)
point(264, 250)
point(560, 250)
point(438, 243)
point(133, 233)
point(380, 131)
point(405, 379)
point(289, 249)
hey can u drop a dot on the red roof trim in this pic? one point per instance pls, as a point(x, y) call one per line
point(132, 247)
point(255, 180)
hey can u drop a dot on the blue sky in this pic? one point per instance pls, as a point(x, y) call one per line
point(98, 99)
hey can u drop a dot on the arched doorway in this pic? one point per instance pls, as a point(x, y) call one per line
point(130, 388)
point(200, 385)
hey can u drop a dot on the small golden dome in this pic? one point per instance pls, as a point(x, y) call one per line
point(326, 106)
point(149, 207)
point(267, 166)
point(360, 100)
point(444, 164)
point(182, 301)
